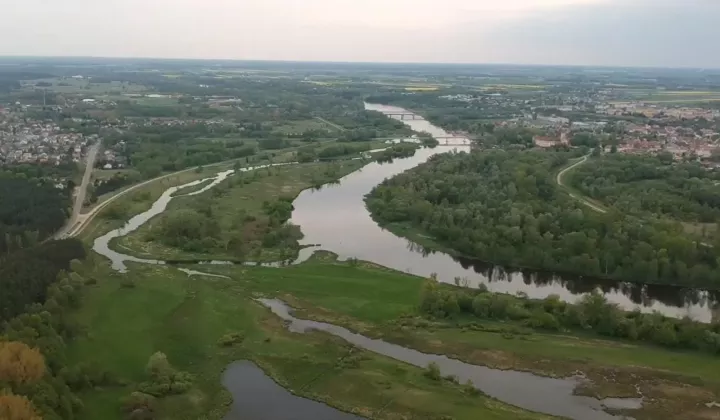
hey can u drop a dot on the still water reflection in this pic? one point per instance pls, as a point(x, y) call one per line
point(256, 396)
point(535, 393)
point(335, 217)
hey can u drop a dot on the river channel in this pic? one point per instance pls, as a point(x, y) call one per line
point(553, 396)
point(334, 218)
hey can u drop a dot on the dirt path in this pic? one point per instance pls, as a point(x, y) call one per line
point(583, 200)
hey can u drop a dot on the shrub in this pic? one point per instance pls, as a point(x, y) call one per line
point(433, 371)
point(470, 389)
point(231, 339)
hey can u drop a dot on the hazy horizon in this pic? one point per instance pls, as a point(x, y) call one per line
point(607, 33)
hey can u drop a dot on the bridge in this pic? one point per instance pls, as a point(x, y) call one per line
point(404, 115)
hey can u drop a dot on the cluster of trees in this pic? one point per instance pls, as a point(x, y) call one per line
point(163, 380)
point(367, 125)
point(504, 207)
point(506, 137)
point(591, 313)
point(310, 154)
point(115, 182)
point(654, 184)
point(156, 149)
point(26, 274)
point(31, 209)
point(36, 380)
point(396, 151)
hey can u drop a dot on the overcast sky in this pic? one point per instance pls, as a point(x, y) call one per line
point(670, 33)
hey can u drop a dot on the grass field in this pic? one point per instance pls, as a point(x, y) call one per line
point(185, 317)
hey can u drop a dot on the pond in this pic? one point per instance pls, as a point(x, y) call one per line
point(256, 396)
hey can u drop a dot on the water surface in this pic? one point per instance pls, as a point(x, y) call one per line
point(531, 392)
point(335, 217)
point(257, 397)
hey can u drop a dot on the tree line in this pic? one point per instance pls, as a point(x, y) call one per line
point(36, 380)
point(504, 207)
point(592, 313)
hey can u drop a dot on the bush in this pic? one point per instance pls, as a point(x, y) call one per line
point(470, 389)
point(231, 339)
point(433, 372)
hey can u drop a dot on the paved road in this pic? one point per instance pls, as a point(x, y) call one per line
point(559, 180)
point(82, 190)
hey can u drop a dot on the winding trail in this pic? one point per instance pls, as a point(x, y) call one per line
point(583, 200)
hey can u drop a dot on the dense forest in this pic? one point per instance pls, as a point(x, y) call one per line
point(37, 293)
point(592, 313)
point(31, 209)
point(26, 274)
point(637, 184)
point(504, 207)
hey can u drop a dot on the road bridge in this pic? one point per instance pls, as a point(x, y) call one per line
point(404, 115)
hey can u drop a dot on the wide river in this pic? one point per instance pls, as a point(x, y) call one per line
point(334, 218)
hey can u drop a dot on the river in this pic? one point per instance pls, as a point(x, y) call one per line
point(334, 218)
point(555, 396)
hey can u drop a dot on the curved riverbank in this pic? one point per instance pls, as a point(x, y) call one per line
point(335, 218)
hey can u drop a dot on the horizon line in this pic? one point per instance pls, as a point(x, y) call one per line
point(381, 63)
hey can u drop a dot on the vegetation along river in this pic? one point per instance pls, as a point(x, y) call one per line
point(553, 396)
point(334, 218)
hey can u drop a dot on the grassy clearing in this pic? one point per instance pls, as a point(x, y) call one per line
point(185, 317)
point(237, 206)
point(373, 301)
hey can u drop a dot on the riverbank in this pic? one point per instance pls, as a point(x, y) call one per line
point(243, 226)
point(186, 317)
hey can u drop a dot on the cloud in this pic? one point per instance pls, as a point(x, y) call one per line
point(598, 32)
